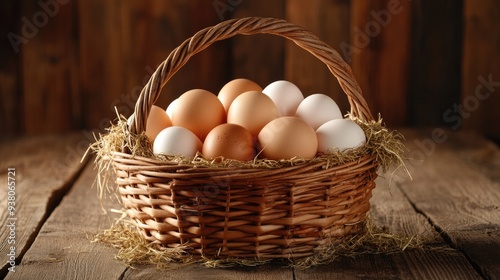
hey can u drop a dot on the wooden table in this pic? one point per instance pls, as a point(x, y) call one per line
point(454, 195)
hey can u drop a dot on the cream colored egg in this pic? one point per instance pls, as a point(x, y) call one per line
point(199, 111)
point(286, 138)
point(317, 109)
point(252, 110)
point(341, 134)
point(234, 88)
point(177, 141)
point(285, 95)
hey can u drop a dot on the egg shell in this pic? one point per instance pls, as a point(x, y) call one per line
point(341, 134)
point(157, 121)
point(175, 141)
point(170, 108)
point(230, 141)
point(317, 109)
point(199, 111)
point(234, 88)
point(285, 95)
point(287, 137)
point(252, 110)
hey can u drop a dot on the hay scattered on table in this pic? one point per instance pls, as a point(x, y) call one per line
point(134, 250)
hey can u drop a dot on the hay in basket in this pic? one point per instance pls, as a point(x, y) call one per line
point(227, 211)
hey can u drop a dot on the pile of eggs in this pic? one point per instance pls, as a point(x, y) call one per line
point(244, 121)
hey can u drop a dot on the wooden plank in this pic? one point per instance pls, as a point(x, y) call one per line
point(413, 264)
point(155, 28)
point(10, 85)
point(459, 196)
point(63, 248)
point(49, 68)
point(198, 272)
point(329, 20)
point(380, 47)
point(391, 210)
point(480, 73)
point(435, 61)
point(101, 61)
point(258, 57)
point(44, 170)
point(170, 24)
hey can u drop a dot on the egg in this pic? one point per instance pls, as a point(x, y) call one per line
point(157, 121)
point(341, 134)
point(199, 111)
point(234, 88)
point(229, 141)
point(285, 95)
point(287, 137)
point(175, 141)
point(170, 108)
point(252, 110)
point(317, 109)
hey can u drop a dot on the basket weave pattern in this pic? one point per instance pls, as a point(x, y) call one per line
point(246, 212)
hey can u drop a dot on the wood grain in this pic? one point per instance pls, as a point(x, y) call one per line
point(423, 68)
point(101, 62)
point(435, 61)
point(43, 176)
point(10, 81)
point(391, 210)
point(258, 57)
point(49, 66)
point(457, 197)
point(480, 72)
point(329, 20)
point(380, 46)
point(154, 29)
point(198, 272)
point(63, 248)
point(412, 264)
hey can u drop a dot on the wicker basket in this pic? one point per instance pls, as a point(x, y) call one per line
point(263, 213)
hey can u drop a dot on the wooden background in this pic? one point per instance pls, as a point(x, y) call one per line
point(419, 62)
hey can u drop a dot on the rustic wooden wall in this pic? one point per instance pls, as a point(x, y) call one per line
point(65, 64)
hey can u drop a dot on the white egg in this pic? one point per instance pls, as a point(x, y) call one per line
point(317, 109)
point(170, 108)
point(177, 140)
point(285, 95)
point(341, 134)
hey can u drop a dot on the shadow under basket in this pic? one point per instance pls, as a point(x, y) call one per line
point(289, 210)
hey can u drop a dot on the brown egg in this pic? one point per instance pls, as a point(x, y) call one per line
point(157, 121)
point(232, 89)
point(287, 137)
point(229, 141)
point(252, 110)
point(199, 111)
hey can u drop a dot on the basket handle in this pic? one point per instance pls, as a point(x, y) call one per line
point(249, 26)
